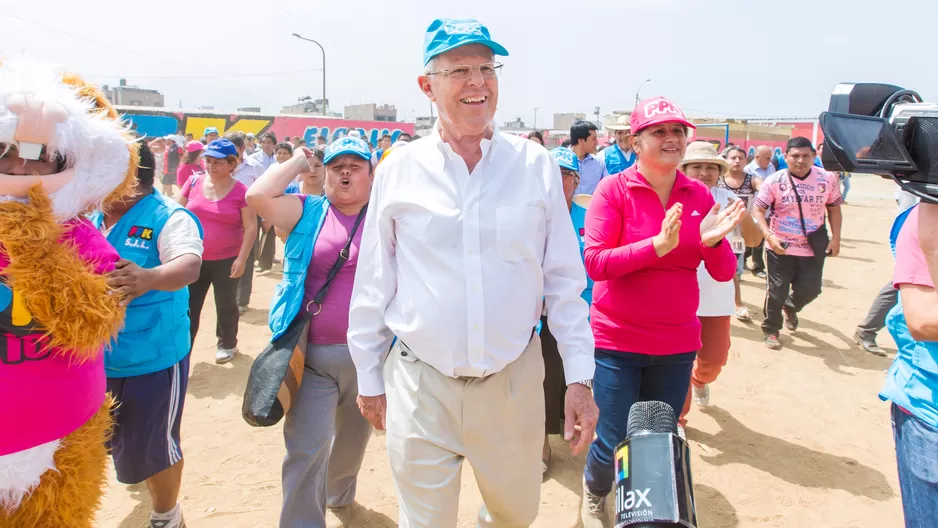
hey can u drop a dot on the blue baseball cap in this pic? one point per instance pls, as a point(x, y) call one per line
point(210, 130)
point(566, 158)
point(445, 34)
point(347, 145)
point(220, 148)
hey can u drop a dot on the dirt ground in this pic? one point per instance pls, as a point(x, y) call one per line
point(794, 438)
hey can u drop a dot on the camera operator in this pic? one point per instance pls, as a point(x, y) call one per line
point(912, 380)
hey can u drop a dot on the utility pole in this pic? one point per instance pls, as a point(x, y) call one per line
point(598, 121)
point(535, 119)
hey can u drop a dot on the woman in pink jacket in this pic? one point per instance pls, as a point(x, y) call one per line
point(647, 231)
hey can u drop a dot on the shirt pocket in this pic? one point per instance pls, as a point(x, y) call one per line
point(516, 232)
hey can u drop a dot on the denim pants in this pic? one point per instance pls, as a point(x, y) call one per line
point(621, 379)
point(917, 458)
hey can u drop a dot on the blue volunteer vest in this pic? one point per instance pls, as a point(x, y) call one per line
point(156, 329)
point(578, 215)
point(297, 254)
point(912, 380)
point(616, 160)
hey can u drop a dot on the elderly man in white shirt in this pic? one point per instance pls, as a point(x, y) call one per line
point(467, 236)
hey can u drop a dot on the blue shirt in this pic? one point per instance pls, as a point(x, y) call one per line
point(754, 169)
point(592, 169)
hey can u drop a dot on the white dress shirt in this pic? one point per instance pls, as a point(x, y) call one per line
point(265, 161)
point(248, 171)
point(458, 265)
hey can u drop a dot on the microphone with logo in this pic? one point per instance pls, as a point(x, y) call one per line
point(654, 488)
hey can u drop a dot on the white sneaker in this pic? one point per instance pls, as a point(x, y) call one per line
point(593, 510)
point(681, 432)
point(702, 395)
point(170, 519)
point(224, 355)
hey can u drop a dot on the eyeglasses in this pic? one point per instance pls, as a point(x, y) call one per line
point(462, 72)
point(567, 172)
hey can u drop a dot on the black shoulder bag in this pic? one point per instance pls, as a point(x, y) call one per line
point(277, 373)
point(818, 239)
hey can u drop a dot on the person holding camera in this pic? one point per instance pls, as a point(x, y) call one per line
point(912, 380)
point(803, 199)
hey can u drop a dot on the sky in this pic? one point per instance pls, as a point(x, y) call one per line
point(733, 58)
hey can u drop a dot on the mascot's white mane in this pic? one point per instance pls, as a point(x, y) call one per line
point(94, 145)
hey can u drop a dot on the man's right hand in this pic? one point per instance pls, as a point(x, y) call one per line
point(775, 244)
point(375, 410)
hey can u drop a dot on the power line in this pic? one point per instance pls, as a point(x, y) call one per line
point(272, 74)
point(86, 39)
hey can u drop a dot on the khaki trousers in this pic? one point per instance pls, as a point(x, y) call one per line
point(434, 422)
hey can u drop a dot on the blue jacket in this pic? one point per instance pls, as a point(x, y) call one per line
point(616, 160)
point(156, 329)
point(297, 254)
point(912, 380)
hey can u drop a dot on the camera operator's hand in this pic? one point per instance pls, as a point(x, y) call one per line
point(774, 244)
point(833, 247)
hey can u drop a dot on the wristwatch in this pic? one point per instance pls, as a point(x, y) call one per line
point(588, 383)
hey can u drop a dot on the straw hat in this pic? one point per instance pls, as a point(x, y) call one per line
point(622, 123)
point(704, 152)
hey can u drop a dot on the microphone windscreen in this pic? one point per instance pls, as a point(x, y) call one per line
point(651, 417)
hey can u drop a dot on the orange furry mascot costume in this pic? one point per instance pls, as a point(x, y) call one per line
point(63, 152)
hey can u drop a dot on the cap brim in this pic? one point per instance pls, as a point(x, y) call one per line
point(335, 155)
point(619, 127)
point(496, 48)
point(666, 119)
point(716, 161)
point(214, 154)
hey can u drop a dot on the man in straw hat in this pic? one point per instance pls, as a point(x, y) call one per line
point(467, 235)
point(619, 156)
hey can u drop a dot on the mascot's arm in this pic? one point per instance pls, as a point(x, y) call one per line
point(60, 289)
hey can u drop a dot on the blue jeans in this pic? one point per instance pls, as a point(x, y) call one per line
point(621, 379)
point(917, 458)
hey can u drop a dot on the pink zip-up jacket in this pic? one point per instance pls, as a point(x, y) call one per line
point(44, 394)
point(643, 303)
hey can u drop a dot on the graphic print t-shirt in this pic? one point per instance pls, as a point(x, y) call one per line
point(818, 190)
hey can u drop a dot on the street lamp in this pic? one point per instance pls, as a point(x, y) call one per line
point(323, 69)
point(639, 89)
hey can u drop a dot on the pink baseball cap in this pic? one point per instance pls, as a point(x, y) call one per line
point(194, 146)
point(655, 111)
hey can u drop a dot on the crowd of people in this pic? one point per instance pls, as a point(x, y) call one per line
point(471, 292)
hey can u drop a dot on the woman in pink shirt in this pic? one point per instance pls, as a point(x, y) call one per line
point(230, 227)
point(647, 230)
point(191, 163)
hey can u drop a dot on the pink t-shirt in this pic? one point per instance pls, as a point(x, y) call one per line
point(642, 303)
point(43, 396)
point(185, 171)
point(331, 325)
point(221, 220)
point(911, 267)
point(818, 190)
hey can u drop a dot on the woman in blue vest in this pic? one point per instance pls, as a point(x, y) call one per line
point(554, 385)
point(912, 380)
point(324, 432)
point(160, 244)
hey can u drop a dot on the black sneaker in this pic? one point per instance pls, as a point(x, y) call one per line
point(791, 319)
point(869, 345)
point(771, 342)
point(759, 273)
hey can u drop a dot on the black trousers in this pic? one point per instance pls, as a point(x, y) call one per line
point(875, 319)
point(793, 282)
point(217, 274)
point(758, 263)
point(555, 385)
point(266, 248)
point(246, 282)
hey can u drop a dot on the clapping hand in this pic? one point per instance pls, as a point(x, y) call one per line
point(717, 224)
point(670, 233)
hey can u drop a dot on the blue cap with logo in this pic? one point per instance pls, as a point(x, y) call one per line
point(220, 148)
point(347, 145)
point(445, 34)
point(566, 158)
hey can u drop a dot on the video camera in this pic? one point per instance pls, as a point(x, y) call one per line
point(883, 129)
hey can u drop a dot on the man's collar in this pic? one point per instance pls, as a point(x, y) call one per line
point(488, 145)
